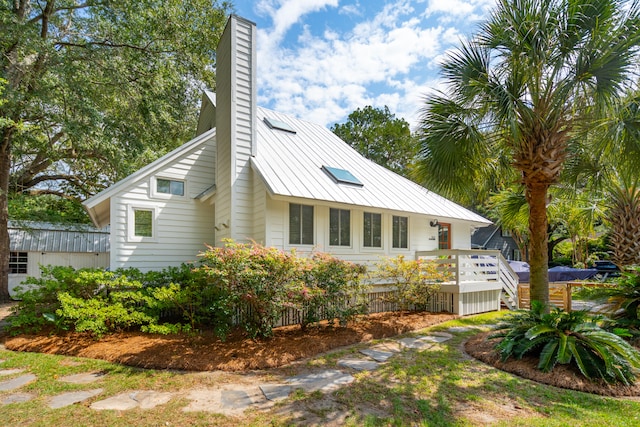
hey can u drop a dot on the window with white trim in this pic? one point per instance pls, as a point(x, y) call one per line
point(142, 223)
point(300, 224)
point(400, 232)
point(169, 186)
point(372, 233)
point(18, 262)
point(339, 227)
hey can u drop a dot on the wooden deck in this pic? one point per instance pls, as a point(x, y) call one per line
point(482, 280)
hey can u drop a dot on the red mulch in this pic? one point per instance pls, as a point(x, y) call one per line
point(563, 376)
point(205, 352)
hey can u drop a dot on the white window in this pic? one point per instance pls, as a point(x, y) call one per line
point(18, 262)
point(372, 233)
point(300, 224)
point(339, 227)
point(142, 224)
point(400, 232)
point(168, 188)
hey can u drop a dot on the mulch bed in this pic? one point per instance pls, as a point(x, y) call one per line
point(205, 352)
point(564, 376)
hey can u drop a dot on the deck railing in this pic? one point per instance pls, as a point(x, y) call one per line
point(477, 266)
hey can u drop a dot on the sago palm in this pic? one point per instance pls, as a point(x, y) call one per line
point(525, 87)
point(568, 338)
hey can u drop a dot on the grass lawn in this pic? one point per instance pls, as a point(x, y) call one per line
point(436, 387)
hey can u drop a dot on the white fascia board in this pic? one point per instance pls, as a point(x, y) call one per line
point(151, 168)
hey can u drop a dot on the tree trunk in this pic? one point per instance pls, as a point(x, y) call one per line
point(538, 250)
point(5, 168)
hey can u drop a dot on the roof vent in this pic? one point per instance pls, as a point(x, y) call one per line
point(277, 124)
point(341, 176)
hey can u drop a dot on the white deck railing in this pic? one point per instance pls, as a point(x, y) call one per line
point(477, 266)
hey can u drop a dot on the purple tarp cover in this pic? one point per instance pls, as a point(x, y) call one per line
point(556, 274)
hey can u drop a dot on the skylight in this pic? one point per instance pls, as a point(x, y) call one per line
point(342, 176)
point(277, 124)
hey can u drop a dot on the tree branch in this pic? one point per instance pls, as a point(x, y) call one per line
point(108, 43)
point(59, 9)
point(61, 194)
point(73, 180)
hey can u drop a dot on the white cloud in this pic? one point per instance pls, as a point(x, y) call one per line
point(470, 10)
point(385, 59)
point(286, 13)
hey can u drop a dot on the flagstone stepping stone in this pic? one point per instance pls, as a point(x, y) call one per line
point(17, 382)
point(133, 399)
point(377, 355)
point(4, 372)
point(390, 346)
point(82, 378)
point(150, 399)
point(17, 398)
point(67, 399)
point(324, 381)
point(415, 343)
point(359, 364)
point(460, 329)
point(441, 337)
point(275, 392)
point(230, 400)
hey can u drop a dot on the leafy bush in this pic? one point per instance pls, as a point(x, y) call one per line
point(623, 300)
point(263, 282)
point(331, 289)
point(415, 281)
point(257, 279)
point(39, 296)
point(568, 338)
point(246, 284)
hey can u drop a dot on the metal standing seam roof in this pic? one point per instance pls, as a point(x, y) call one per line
point(47, 237)
point(291, 166)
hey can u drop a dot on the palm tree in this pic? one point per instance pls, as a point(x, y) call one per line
point(612, 175)
point(533, 78)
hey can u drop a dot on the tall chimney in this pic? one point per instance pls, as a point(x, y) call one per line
point(236, 129)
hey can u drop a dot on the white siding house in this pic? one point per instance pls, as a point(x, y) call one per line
point(253, 174)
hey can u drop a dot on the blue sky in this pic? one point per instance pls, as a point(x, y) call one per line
point(321, 59)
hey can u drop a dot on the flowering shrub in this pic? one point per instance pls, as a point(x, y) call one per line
point(256, 278)
point(249, 285)
point(415, 281)
point(333, 290)
point(263, 282)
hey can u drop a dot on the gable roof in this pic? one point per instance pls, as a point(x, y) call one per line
point(99, 205)
point(291, 165)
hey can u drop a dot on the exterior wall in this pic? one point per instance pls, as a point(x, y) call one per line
point(259, 210)
point(235, 121)
point(420, 237)
point(182, 224)
point(461, 235)
point(71, 259)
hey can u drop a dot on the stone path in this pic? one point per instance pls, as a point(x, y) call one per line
point(229, 399)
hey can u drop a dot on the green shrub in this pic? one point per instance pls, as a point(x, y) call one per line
point(248, 284)
point(331, 289)
point(622, 300)
point(415, 281)
point(99, 315)
point(568, 338)
point(39, 296)
point(257, 280)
